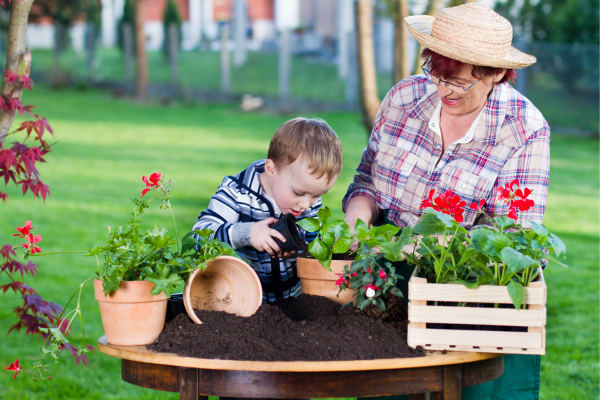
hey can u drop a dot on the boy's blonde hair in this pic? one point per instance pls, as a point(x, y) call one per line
point(314, 139)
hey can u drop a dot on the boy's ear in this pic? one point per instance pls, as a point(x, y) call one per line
point(270, 167)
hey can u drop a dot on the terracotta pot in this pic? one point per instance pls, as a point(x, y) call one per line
point(315, 279)
point(228, 284)
point(131, 316)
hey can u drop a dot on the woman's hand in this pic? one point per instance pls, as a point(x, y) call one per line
point(360, 207)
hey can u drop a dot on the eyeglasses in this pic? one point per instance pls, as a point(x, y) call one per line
point(436, 81)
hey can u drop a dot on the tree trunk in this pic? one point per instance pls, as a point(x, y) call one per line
point(18, 60)
point(142, 61)
point(366, 60)
point(433, 8)
point(401, 66)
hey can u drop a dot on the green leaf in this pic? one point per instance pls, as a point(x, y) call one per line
point(430, 225)
point(539, 229)
point(164, 281)
point(188, 243)
point(318, 249)
point(516, 293)
point(557, 245)
point(364, 303)
point(469, 253)
point(505, 223)
point(515, 261)
point(361, 230)
point(94, 251)
point(342, 245)
point(326, 263)
point(328, 238)
point(341, 229)
point(379, 302)
point(384, 231)
point(324, 214)
point(309, 224)
point(204, 233)
point(556, 261)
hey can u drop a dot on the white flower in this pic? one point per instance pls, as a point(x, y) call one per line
point(370, 293)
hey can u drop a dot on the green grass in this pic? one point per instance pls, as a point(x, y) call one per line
point(105, 147)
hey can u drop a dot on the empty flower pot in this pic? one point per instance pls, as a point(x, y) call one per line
point(131, 316)
point(228, 284)
point(294, 235)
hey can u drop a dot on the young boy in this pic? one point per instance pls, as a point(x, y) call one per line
point(304, 160)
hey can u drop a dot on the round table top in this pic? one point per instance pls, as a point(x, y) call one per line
point(432, 358)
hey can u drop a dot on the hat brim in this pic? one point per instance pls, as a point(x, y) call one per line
point(420, 27)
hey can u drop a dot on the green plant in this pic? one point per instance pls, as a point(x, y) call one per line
point(373, 278)
point(500, 252)
point(129, 255)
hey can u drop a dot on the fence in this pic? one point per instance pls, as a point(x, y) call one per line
point(563, 83)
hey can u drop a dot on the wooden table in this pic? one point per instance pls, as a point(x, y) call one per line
point(194, 378)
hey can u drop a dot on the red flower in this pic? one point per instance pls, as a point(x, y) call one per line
point(478, 206)
point(354, 274)
point(14, 367)
point(341, 280)
point(447, 203)
point(30, 245)
point(515, 197)
point(24, 231)
point(382, 274)
point(427, 202)
point(151, 183)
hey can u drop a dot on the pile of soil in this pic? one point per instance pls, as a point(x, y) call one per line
point(306, 328)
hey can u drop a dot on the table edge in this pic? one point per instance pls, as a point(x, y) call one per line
point(432, 359)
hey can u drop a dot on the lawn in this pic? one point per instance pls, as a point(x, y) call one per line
point(310, 79)
point(106, 145)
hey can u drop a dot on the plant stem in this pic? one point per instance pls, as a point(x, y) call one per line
point(174, 224)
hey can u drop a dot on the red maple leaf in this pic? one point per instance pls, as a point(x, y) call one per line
point(6, 251)
point(41, 189)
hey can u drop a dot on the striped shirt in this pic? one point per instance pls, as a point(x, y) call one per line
point(402, 163)
point(241, 199)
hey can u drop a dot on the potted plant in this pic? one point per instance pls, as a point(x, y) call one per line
point(485, 280)
point(362, 277)
point(136, 273)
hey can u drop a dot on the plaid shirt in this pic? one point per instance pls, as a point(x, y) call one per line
point(240, 199)
point(398, 168)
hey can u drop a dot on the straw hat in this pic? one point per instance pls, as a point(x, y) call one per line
point(471, 33)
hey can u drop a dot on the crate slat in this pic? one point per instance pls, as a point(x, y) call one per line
point(482, 294)
point(452, 337)
point(476, 316)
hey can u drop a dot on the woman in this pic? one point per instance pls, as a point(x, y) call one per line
point(458, 127)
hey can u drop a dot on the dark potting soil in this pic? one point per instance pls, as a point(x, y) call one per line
point(307, 328)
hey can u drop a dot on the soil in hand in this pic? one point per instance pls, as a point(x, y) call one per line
point(307, 328)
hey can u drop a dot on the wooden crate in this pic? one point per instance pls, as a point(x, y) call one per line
point(420, 313)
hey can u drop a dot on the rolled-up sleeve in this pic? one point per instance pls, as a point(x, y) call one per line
point(362, 185)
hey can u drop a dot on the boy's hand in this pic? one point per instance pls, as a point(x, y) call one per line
point(261, 237)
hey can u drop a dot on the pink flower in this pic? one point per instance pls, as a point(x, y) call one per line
point(15, 367)
point(30, 245)
point(371, 286)
point(382, 274)
point(354, 274)
point(24, 231)
point(341, 280)
point(151, 183)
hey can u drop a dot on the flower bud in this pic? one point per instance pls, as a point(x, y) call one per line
point(382, 274)
point(370, 293)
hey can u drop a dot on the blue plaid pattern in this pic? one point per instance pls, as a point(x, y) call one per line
point(240, 198)
point(400, 164)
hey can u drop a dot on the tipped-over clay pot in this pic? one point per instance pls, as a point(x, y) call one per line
point(316, 280)
point(131, 316)
point(228, 284)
